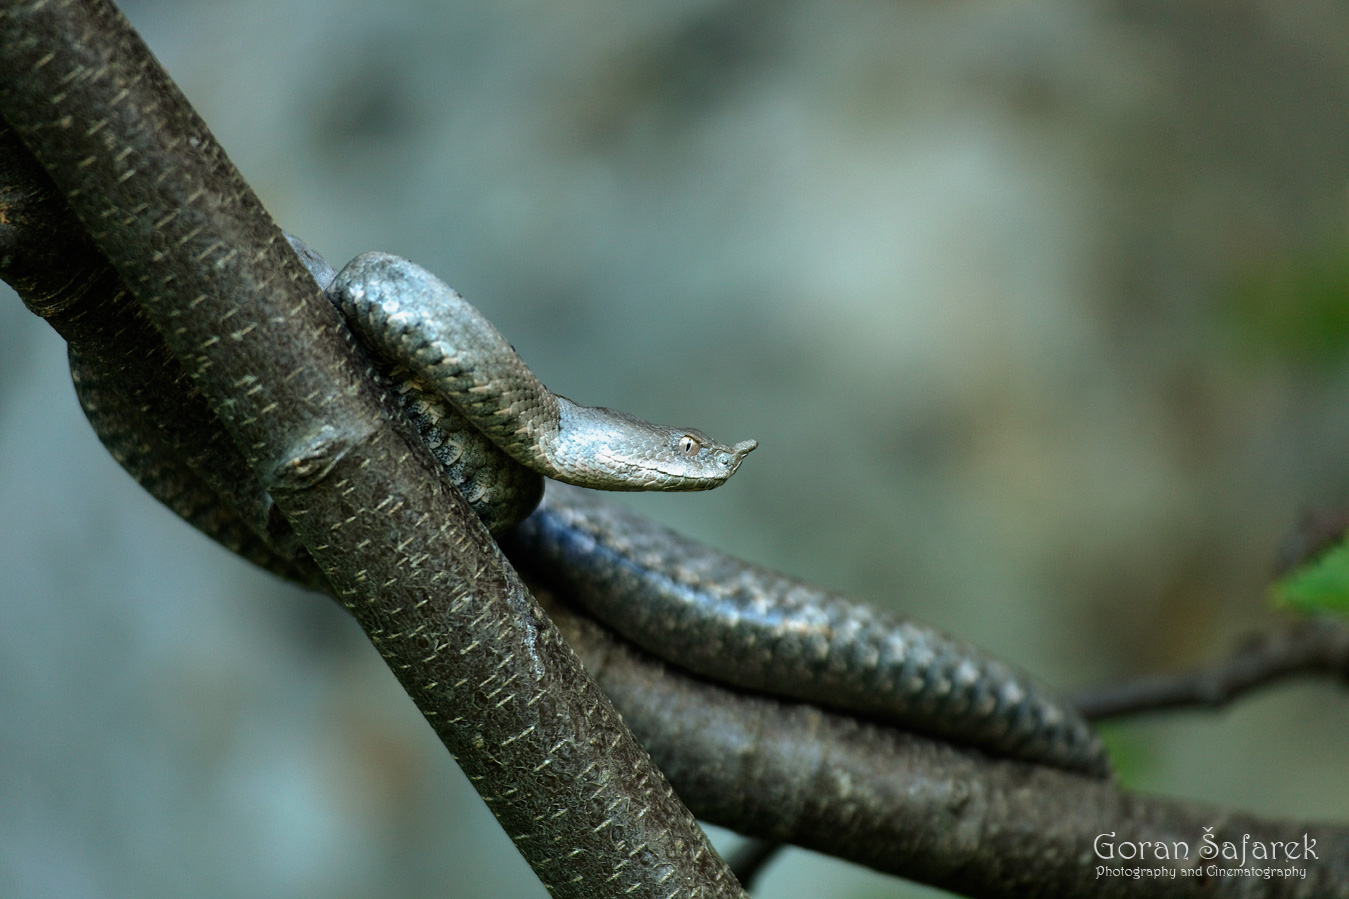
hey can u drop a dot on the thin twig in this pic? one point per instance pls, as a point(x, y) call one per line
point(1318, 647)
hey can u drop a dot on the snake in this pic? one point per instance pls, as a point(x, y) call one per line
point(498, 432)
point(174, 222)
point(494, 427)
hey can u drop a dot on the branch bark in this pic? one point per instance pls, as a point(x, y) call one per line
point(542, 744)
point(921, 809)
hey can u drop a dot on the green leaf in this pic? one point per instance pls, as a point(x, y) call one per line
point(1320, 585)
point(1295, 309)
point(1133, 753)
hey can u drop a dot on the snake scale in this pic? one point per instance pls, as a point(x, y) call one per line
point(472, 398)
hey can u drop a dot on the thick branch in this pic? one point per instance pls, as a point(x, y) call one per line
point(925, 810)
point(212, 271)
point(142, 404)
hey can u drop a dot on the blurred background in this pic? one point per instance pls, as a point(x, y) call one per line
point(1038, 310)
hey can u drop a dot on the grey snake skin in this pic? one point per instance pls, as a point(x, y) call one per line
point(490, 422)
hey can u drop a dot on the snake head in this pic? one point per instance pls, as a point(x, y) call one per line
point(611, 450)
point(674, 458)
point(701, 461)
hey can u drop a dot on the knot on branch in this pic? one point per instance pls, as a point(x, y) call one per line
point(309, 462)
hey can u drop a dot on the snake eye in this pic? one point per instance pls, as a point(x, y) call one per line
point(689, 445)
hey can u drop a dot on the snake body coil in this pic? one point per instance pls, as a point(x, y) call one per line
point(691, 605)
point(724, 618)
point(695, 607)
point(408, 316)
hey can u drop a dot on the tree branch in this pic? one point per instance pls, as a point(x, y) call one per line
point(1316, 647)
point(538, 739)
point(918, 808)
